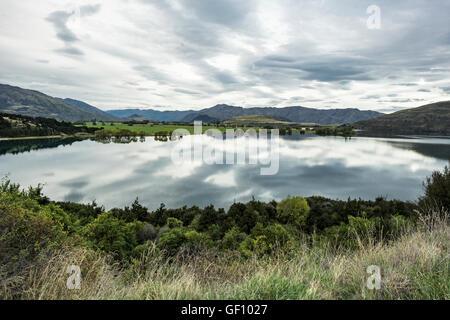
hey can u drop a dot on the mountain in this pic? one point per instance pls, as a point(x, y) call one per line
point(152, 114)
point(293, 114)
point(87, 107)
point(204, 118)
point(136, 118)
point(32, 103)
point(431, 119)
point(254, 120)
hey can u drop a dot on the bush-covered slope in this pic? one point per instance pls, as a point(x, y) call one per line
point(13, 125)
point(431, 119)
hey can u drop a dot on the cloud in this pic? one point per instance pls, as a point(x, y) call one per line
point(187, 54)
point(60, 19)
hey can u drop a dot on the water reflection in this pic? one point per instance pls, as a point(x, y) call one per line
point(114, 174)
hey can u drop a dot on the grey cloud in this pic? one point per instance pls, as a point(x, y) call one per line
point(322, 68)
point(406, 84)
point(370, 97)
point(59, 19)
point(71, 51)
point(186, 91)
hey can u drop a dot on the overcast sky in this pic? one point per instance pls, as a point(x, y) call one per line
point(183, 54)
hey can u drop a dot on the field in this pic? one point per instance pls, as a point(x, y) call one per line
point(152, 129)
point(148, 129)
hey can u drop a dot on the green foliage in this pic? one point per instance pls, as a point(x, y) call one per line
point(232, 239)
point(172, 240)
point(174, 223)
point(208, 217)
point(110, 234)
point(14, 125)
point(272, 237)
point(345, 131)
point(437, 190)
point(358, 231)
point(28, 230)
point(293, 210)
point(249, 228)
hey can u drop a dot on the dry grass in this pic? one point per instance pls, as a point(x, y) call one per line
point(415, 266)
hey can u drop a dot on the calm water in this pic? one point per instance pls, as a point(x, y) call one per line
point(115, 174)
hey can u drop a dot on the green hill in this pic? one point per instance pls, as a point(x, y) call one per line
point(32, 103)
point(431, 119)
point(14, 125)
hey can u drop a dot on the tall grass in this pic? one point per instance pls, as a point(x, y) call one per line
point(414, 266)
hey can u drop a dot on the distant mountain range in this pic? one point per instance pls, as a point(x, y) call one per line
point(152, 114)
point(32, 103)
point(430, 119)
point(223, 112)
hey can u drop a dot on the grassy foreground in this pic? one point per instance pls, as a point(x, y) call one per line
point(415, 266)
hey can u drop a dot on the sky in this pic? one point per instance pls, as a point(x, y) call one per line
point(378, 55)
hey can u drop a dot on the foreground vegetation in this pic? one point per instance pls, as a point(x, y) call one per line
point(312, 248)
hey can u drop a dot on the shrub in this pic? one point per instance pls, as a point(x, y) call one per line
point(110, 234)
point(174, 223)
point(232, 239)
point(437, 190)
point(294, 211)
point(172, 240)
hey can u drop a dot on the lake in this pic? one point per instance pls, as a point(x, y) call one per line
point(115, 174)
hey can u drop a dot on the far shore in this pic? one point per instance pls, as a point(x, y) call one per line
point(47, 137)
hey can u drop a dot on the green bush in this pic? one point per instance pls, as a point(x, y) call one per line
point(232, 239)
point(437, 190)
point(293, 210)
point(110, 234)
point(172, 240)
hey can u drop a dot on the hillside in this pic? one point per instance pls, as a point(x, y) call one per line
point(32, 103)
point(431, 119)
point(13, 125)
point(136, 118)
point(254, 119)
point(152, 114)
point(223, 112)
point(102, 115)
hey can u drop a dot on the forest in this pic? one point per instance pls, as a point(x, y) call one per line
point(13, 126)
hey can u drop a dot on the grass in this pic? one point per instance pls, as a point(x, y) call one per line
point(415, 266)
point(148, 129)
point(152, 129)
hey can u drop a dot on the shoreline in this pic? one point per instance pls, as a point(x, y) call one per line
point(44, 137)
